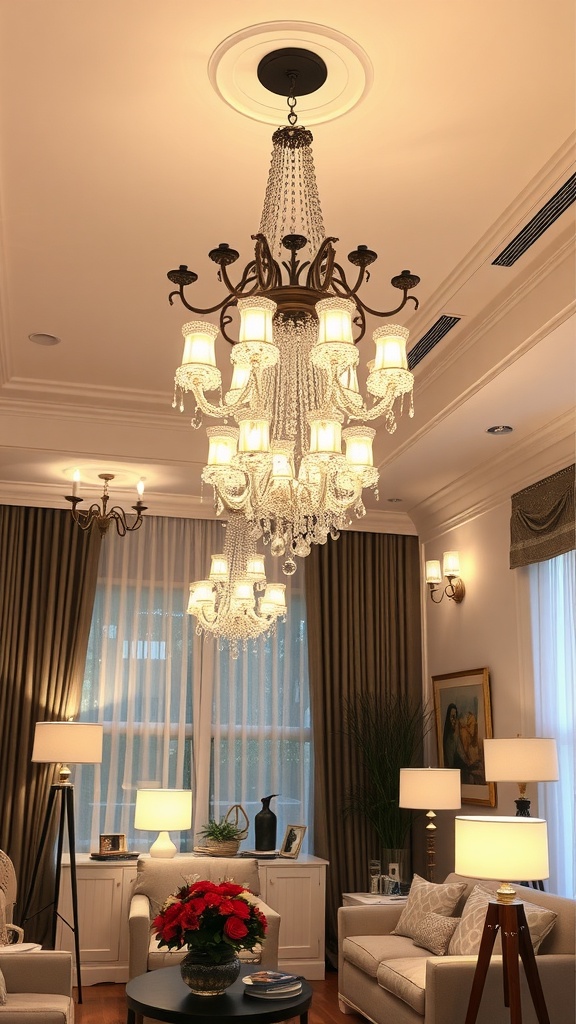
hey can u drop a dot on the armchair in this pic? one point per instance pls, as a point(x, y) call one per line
point(158, 878)
point(38, 987)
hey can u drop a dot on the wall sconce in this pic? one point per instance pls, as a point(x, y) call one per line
point(451, 569)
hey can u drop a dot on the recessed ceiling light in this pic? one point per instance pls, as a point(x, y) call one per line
point(44, 339)
point(394, 500)
point(502, 429)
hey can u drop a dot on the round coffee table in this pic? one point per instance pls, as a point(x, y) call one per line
point(162, 995)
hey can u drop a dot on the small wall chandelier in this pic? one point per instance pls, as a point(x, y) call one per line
point(294, 378)
point(99, 514)
point(235, 602)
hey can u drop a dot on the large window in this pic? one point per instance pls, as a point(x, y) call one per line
point(178, 710)
point(553, 604)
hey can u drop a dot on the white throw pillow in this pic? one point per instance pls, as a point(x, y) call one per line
point(466, 938)
point(427, 898)
point(434, 932)
point(2, 990)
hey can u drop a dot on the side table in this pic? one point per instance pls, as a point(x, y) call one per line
point(367, 899)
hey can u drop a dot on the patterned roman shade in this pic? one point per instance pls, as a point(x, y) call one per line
point(542, 523)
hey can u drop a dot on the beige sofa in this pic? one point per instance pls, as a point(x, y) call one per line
point(390, 980)
point(157, 878)
point(39, 988)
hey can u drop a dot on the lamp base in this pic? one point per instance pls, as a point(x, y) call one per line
point(163, 846)
point(510, 920)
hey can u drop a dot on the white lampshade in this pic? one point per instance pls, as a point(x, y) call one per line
point(435, 789)
point(335, 320)
point(222, 445)
point(325, 435)
point(390, 341)
point(451, 563)
point(358, 442)
point(254, 436)
point(68, 743)
point(163, 810)
point(255, 570)
point(199, 343)
point(201, 595)
point(433, 572)
point(521, 759)
point(256, 315)
point(501, 848)
point(218, 568)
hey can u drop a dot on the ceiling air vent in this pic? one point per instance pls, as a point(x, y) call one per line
point(429, 340)
point(540, 223)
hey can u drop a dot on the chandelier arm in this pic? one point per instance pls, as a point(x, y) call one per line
point(347, 291)
point(119, 515)
point(197, 309)
point(240, 290)
point(387, 312)
point(267, 269)
point(354, 412)
point(319, 276)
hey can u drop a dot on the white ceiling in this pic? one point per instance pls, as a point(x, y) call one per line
point(119, 161)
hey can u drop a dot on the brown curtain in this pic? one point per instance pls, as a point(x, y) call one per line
point(364, 637)
point(542, 524)
point(47, 587)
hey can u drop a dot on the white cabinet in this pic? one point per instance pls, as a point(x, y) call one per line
point(103, 901)
point(296, 889)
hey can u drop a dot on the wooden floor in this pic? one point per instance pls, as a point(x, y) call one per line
point(106, 1004)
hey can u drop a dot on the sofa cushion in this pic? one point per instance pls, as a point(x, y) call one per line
point(466, 938)
point(2, 990)
point(433, 932)
point(427, 898)
point(367, 951)
point(405, 978)
point(37, 1008)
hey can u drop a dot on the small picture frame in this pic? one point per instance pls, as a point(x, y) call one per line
point(113, 842)
point(292, 841)
point(463, 722)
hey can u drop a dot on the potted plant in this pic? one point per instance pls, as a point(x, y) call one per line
point(221, 838)
point(388, 732)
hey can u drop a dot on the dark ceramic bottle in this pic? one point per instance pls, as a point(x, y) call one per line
point(265, 826)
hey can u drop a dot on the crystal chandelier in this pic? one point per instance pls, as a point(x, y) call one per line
point(236, 602)
point(102, 516)
point(294, 364)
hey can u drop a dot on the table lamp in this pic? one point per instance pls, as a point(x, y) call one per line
point(438, 788)
point(163, 811)
point(503, 849)
point(530, 759)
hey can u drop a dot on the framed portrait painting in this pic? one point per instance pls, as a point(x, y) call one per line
point(463, 721)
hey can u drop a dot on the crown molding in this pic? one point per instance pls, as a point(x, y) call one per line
point(495, 480)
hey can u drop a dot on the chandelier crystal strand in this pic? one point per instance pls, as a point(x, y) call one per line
point(291, 197)
point(236, 603)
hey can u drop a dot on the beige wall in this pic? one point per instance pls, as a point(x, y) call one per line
point(489, 629)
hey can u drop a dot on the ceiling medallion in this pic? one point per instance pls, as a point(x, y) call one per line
point(294, 357)
point(233, 65)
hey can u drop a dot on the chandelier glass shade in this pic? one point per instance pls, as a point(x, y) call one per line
point(289, 464)
point(236, 602)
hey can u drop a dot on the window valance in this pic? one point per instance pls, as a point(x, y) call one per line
point(542, 524)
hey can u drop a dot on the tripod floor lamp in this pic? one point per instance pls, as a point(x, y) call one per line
point(502, 849)
point(62, 743)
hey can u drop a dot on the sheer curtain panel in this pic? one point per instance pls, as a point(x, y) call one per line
point(177, 709)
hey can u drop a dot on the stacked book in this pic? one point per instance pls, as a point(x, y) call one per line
point(272, 985)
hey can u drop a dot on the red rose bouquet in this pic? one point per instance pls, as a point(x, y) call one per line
point(211, 918)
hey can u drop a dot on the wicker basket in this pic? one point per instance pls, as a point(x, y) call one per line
point(224, 848)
